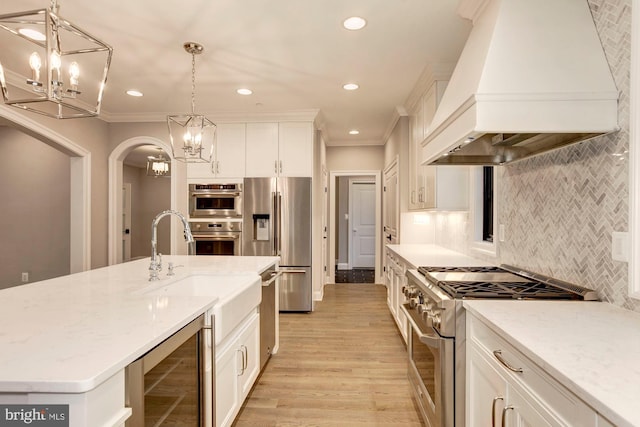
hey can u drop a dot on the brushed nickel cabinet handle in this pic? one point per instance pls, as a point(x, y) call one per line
point(504, 415)
point(493, 410)
point(498, 355)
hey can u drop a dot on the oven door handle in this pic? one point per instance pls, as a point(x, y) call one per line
point(274, 276)
point(216, 237)
point(432, 340)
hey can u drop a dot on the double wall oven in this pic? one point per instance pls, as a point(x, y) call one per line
point(436, 343)
point(215, 213)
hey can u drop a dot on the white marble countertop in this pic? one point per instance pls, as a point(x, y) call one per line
point(71, 333)
point(593, 348)
point(418, 255)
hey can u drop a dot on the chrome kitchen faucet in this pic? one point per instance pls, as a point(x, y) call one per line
point(156, 261)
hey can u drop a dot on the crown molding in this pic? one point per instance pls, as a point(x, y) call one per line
point(220, 116)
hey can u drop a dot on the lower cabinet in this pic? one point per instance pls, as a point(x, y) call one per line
point(396, 280)
point(505, 388)
point(237, 367)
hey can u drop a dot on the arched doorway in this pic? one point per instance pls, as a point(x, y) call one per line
point(116, 158)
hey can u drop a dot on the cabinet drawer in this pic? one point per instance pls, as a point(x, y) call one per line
point(514, 365)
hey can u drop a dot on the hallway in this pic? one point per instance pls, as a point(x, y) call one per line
point(342, 365)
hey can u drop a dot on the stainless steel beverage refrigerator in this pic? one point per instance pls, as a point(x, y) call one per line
point(277, 221)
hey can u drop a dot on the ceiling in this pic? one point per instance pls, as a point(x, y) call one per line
point(294, 55)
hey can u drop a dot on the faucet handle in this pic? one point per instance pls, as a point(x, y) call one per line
point(171, 267)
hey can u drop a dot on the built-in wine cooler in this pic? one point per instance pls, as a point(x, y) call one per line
point(166, 386)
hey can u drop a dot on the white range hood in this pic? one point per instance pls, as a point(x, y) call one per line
point(532, 77)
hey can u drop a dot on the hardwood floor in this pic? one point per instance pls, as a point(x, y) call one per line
point(345, 364)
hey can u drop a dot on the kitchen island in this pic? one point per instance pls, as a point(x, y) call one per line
point(69, 339)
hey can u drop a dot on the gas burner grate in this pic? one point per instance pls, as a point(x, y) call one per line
point(508, 290)
point(498, 282)
point(490, 269)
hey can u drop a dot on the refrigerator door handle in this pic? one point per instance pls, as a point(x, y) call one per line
point(293, 271)
point(274, 227)
point(279, 223)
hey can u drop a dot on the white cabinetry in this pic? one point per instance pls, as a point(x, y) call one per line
point(390, 203)
point(396, 280)
point(228, 154)
point(504, 387)
point(433, 187)
point(279, 149)
point(237, 367)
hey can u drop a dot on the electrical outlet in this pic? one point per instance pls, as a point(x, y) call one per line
point(620, 246)
point(501, 232)
point(25, 277)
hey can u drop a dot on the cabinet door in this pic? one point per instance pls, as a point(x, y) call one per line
point(262, 150)
point(201, 170)
point(391, 203)
point(227, 393)
point(250, 346)
point(230, 150)
point(525, 412)
point(296, 149)
point(486, 392)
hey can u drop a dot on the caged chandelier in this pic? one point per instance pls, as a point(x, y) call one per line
point(192, 135)
point(50, 66)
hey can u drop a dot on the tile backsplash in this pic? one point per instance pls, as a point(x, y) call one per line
point(560, 209)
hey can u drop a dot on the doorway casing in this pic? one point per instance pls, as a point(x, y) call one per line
point(376, 175)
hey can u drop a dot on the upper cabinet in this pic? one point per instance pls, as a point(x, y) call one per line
point(279, 149)
point(433, 187)
point(228, 154)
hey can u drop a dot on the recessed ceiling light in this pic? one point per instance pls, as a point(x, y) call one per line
point(32, 34)
point(350, 86)
point(244, 91)
point(354, 23)
point(133, 92)
point(354, 132)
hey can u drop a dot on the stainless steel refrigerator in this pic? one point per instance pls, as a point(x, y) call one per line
point(277, 221)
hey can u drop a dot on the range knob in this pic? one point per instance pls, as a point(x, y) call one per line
point(436, 321)
point(410, 291)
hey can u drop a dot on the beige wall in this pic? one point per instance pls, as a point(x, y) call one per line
point(149, 197)
point(370, 157)
point(92, 135)
point(35, 225)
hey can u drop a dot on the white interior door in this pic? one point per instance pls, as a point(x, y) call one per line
point(126, 222)
point(363, 224)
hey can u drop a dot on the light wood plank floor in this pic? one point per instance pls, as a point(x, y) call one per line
point(345, 364)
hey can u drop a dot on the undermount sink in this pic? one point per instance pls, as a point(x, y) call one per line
point(237, 295)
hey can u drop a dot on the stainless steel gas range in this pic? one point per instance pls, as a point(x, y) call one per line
point(437, 335)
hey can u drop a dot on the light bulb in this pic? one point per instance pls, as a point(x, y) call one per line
point(187, 139)
point(35, 63)
point(56, 62)
point(74, 73)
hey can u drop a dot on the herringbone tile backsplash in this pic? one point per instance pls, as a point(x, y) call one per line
point(559, 209)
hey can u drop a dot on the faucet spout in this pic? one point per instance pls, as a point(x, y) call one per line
point(155, 266)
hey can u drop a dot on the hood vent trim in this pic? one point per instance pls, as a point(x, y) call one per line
point(531, 78)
